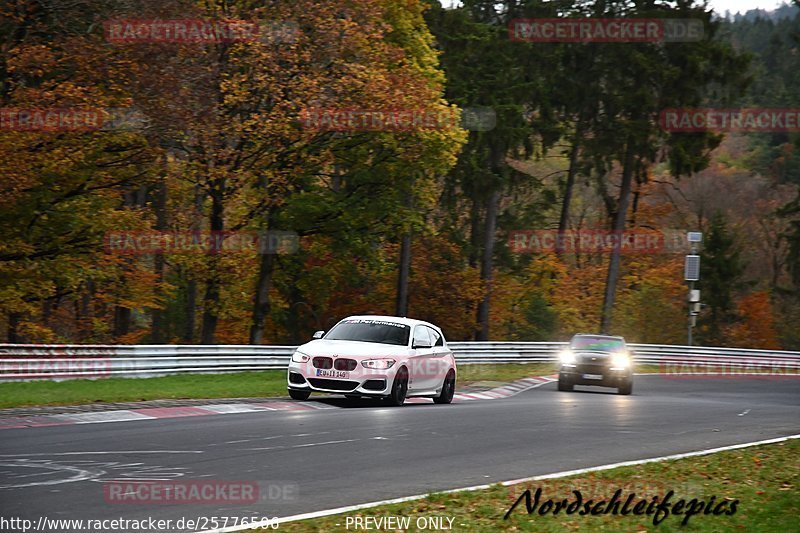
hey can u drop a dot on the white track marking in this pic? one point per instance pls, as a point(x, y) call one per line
point(323, 443)
point(304, 445)
point(97, 453)
point(102, 416)
point(231, 408)
point(78, 474)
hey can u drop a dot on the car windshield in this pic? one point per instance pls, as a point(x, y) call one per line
point(605, 344)
point(380, 331)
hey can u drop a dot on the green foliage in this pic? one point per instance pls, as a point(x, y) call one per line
point(720, 275)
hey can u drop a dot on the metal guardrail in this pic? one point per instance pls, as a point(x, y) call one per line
point(57, 362)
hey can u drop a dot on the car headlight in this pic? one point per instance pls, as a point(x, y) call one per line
point(378, 364)
point(620, 360)
point(567, 357)
point(300, 357)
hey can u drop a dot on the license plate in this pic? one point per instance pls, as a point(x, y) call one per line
point(333, 374)
point(592, 376)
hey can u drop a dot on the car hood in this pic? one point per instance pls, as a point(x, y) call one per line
point(353, 349)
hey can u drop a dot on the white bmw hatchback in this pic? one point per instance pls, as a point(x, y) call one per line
point(375, 356)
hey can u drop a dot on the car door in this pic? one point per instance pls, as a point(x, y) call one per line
point(440, 356)
point(423, 372)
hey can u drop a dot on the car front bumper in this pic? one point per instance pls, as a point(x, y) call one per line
point(588, 375)
point(361, 381)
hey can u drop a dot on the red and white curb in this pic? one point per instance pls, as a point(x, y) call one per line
point(506, 391)
point(154, 413)
point(511, 389)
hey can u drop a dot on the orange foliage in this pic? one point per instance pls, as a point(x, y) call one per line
point(756, 327)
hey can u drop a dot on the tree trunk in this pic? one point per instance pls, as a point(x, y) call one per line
point(157, 333)
point(122, 321)
point(122, 315)
point(190, 302)
point(496, 160)
point(261, 305)
point(13, 328)
point(487, 264)
point(618, 229)
point(401, 306)
point(47, 311)
point(563, 220)
point(85, 313)
point(293, 318)
point(212, 293)
point(190, 311)
point(475, 230)
point(404, 272)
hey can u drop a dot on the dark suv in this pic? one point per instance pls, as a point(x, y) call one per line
point(600, 360)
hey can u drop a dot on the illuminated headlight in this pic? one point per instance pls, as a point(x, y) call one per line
point(620, 360)
point(378, 364)
point(567, 357)
point(299, 357)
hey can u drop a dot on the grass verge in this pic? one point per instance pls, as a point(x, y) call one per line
point(764, 480)
point(198, 386)
point(194, 386)
point(187, 386)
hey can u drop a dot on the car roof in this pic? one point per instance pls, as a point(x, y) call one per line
point(598, 336)
point(397, 319)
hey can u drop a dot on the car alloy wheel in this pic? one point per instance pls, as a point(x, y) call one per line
point(399, 388)
point(448, 389)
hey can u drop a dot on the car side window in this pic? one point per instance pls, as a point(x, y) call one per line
point(421, 335)
point(436, 337)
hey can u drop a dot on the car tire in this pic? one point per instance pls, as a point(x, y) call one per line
point(299, 394)
point(564, 385)
point(448, 389)
point(626, 387)
point(397, 396)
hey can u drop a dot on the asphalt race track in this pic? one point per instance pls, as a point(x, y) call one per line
point(362, 452)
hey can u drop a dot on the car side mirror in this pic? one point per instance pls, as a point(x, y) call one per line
point(318, 334)
point(422, 344)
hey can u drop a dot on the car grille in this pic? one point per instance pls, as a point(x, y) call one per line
point(333, 384)
point(322, 362)
point(591, 369)
point(592, 363)
point(344, 364)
